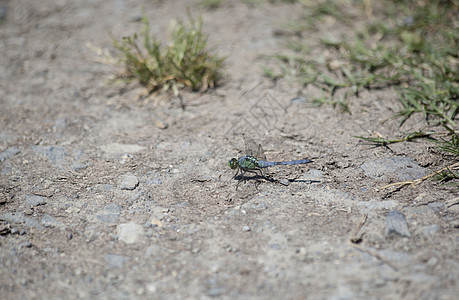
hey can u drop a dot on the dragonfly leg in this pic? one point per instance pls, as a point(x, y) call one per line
point(237, 185)
point(242, 177)
point(254, 171)
point(257, 183)
point(261, 172)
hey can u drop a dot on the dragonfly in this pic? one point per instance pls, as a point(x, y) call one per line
point(255, 160)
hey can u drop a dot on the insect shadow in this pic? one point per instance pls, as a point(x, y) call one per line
point(258, 178)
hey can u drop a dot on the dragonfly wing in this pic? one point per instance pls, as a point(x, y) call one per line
point(254, 149)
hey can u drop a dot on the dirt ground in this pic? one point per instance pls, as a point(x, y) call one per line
point(107, 196)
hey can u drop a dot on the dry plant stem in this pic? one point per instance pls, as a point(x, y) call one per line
point(356, 238)
point(420, 180)
point(376, 255)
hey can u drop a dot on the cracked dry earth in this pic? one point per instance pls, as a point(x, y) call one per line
point(105, 196)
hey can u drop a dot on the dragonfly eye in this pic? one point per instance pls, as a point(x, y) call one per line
point(232, 163)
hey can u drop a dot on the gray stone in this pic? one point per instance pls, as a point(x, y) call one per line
point(396, 223)
point(109, 214)
point(50, 221)
point(112, 209)
point(313, 175)
point(20, 218)
point(430, 230)
point(108, 218)
point(56, 154)
point(116, 149)
point(130, 233)
point(436, 205)
point(77, 167)
point(398, 167)
point(115, 260)
point(26, 244)
point(284, 182)
point(153, 250)
point(60, 123)
point(11, 151)
point(34, 200)
point(246, 228)
point(153, 181)
point(129, 182)
point(367, 207)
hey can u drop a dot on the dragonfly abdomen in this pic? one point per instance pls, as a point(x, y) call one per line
point(265, 164)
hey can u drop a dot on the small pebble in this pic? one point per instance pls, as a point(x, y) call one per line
point(246, 228)
point(129, 182)
point(10, 151)
point(396, 223)
point(34, 200)
point(161, 124)
point(284, 182)
point(130, 233)
point(153, 181)
point(109, 214)
point(26, 244)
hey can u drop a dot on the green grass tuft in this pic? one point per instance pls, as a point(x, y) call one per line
point(451, 146)
point(184, 62)
point(380, 141)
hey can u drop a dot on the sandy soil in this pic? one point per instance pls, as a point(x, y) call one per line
point(103, 195)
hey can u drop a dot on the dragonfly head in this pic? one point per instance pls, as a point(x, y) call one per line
point(233, 163)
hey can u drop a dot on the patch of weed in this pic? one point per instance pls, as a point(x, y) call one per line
point(184, 62)
point(408, 45)
point(447, 176)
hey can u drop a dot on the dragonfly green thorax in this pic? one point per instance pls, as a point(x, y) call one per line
point(244, 163)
